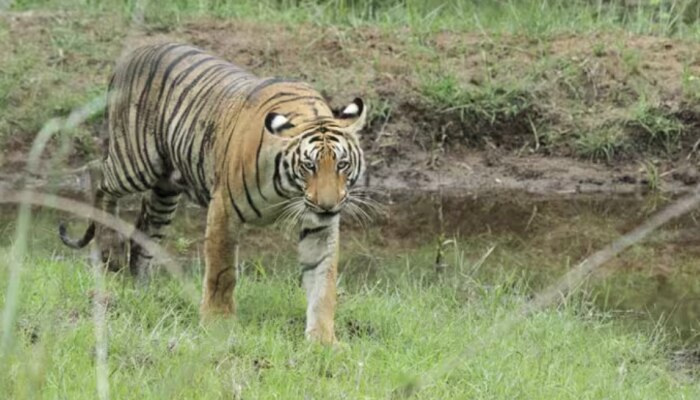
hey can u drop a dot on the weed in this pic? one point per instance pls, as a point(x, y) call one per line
point(657, 127)
point(653, 180)
point(490, 102)
point(690, 84)
point(631, 60)
point(602, 144)
point(599, 49)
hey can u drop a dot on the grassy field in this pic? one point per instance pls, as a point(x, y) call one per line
point(394, 324)
point(586, 79)
point(398, 321)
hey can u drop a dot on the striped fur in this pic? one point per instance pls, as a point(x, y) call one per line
point(251, 150)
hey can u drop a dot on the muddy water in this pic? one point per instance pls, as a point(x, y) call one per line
point(538, 237)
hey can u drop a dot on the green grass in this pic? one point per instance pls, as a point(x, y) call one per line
point(602, 144)
point(488, 102)
point(658, 128)
point(391, 332)
point(396, 320)
point(666, 17)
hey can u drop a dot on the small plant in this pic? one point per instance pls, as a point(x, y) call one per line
point(690, 84)
point(653, 180)
point(183, 244)
point(380, 110)
point(489, 101)
point(600, 145)
point(658, 127)
point(631, 60)
point(599, 49)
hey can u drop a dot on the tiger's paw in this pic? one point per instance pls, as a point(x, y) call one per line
point(324, 337)
point(210, 312)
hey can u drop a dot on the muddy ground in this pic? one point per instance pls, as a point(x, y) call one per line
point(470, 112)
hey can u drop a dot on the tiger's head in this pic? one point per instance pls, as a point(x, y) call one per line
point(323, 160)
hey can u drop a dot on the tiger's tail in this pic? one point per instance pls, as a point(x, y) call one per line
point(93, 168)
point(78, 243)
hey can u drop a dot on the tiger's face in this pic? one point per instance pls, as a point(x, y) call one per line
point(324, 160)
point(328, 168)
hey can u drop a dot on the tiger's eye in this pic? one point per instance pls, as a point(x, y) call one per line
point(343, 165)
point(310, 165)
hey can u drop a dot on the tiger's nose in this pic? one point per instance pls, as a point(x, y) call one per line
point(326, 205)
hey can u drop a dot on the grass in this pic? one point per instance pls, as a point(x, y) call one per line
point(157, 349)
point(488, 103)
point(659, 128)
point(397, 319)
point(603, 144)
point(668, 17)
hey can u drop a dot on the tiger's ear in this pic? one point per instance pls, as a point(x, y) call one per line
point(277, 123)
point(352, 117)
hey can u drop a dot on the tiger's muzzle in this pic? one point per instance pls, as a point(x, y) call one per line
point(325, 209)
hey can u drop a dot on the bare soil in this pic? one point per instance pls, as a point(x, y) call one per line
point(570, 85)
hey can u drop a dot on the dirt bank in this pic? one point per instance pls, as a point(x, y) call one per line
point(599, 112)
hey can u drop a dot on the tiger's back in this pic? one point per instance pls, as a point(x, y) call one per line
point(163, 103)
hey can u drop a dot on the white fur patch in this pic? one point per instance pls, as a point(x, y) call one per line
point(351, 109)
point(278, 122)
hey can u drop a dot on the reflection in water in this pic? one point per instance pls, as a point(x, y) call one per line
point(536, 236)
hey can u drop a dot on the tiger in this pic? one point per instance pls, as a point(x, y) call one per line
point(248, 149)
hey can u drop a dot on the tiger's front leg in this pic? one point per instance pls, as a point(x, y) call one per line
point(219, 253)
point(318, 254)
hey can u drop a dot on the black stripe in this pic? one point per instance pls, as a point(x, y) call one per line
point(247, 194)
point(145, 94)
point(277, 179)
point(315, 139)
point(257, 164)
point(207, 77)
point(285, 101)
point(205, 145)
point(121, 158)
point(157, 224)
point(202, 101)
point(275, 97)
point(235, 207)
point(168, 203)
point(160, 209)
point(311, 267)
point(161, 192)
point(134, 154)
point(179, 136)
point(265, 83)
point(187, 126)
point(310, 231)
point(166, 75)
point(232, 87)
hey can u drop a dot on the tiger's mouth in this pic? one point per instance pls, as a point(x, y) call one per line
point(324, 212)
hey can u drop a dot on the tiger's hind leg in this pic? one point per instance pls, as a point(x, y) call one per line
point(110, 243)
point(157, 211)
point(115, 182)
